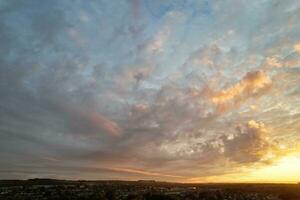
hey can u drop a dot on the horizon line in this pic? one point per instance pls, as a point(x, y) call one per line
point(153, 180)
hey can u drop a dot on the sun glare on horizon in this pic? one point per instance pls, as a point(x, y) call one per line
point(286, 170)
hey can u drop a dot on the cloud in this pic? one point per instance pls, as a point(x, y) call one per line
point(297, 48)
point(206, 56)
point(47, 25)
point(84, 17)
point(273, 61)
point(145, 173)
point(253, 84)
point(158, 42)
point(92, 123)
point(251, 143)
point(292, 61)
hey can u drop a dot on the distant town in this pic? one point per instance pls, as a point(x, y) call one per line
point(50, 189)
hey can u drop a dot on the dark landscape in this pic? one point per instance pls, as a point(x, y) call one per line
point(50, 189)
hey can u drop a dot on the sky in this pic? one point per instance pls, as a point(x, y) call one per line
point(184, 91)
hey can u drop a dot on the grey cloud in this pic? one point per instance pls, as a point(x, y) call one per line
point(251, 144)
point(47, 25)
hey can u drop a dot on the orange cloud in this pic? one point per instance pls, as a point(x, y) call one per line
point(297, 47)
point(140, 108)
point(106, 124)
point(253, 84)
point(273, 61)
point(94, 123)
point(142, 172)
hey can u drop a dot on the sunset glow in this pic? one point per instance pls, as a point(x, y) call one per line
point(286, 170)
point(171, 90)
